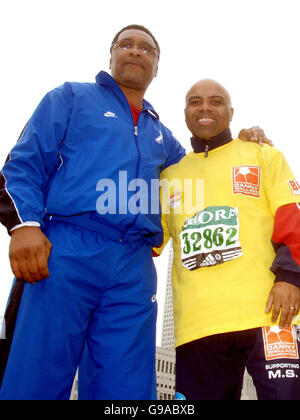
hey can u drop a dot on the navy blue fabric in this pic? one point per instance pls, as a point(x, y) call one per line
point(284, 266)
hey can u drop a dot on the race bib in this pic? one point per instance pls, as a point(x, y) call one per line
point(211, 237)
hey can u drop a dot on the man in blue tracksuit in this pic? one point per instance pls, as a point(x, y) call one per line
point(101, 285)
point(75, 196)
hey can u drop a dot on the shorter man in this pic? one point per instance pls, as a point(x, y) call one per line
point(222, 255)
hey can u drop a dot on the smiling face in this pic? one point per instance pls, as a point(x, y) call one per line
point(208, 109)
point(131, 68)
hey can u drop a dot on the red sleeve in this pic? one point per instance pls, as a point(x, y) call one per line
point(286, 242)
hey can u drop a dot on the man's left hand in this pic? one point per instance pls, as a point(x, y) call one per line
point(284, 297)
point(256, 135)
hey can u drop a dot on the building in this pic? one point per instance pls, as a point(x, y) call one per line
point(2, 327)
point(168, 340)
point(165, 373)
point(165, 355)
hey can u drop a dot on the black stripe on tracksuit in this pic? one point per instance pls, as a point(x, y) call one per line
point(8, 213)
point(9, 218)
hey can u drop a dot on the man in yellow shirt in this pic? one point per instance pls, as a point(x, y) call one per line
point(232, 210)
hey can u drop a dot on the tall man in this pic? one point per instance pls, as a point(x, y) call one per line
point(98, 288)
point(227, 302)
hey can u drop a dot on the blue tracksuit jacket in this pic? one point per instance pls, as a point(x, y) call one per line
point(79, 134)
point(98, 307)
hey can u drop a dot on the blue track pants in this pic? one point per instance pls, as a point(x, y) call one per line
point(97, 310)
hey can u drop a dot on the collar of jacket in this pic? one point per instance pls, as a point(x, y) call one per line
point(204, 146)
point(105, 79)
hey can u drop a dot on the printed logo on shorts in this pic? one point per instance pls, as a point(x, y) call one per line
point(211, 237)
point(246, 180)
point(295, 186)
point(280, 343)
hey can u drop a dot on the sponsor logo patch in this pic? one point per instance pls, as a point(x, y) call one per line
point(246, 180)
point(295, 186)
point(280, 343)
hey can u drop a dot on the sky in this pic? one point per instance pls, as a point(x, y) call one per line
point(249, 46)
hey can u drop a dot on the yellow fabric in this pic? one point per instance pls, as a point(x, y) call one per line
point(243, 185)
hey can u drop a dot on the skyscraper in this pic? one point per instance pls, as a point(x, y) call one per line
point(168, 340)
point(165, 355)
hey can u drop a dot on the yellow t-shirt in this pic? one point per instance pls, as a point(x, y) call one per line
point(221, 215)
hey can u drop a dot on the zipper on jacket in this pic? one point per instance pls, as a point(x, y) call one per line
point(137, 173)
point(206, 150)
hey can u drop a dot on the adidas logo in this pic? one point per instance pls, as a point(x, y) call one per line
point(209, 260)
point(191, 263)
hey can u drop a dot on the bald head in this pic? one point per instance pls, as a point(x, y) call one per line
point(213, 85)
point(208, 109)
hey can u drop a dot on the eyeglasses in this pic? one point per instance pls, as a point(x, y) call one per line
point(128, 45)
